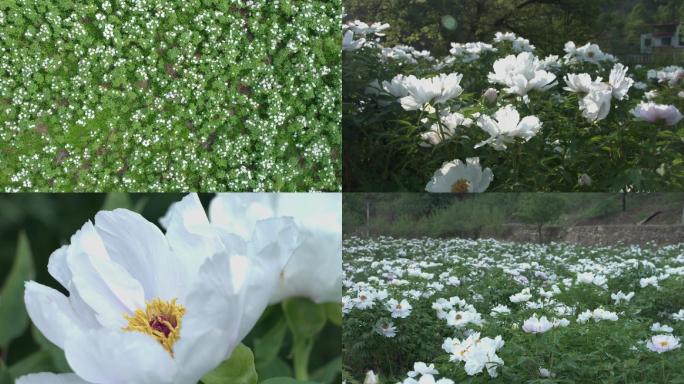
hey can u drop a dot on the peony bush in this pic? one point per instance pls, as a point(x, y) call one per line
point(576, 120)
point(487, 311)
point(169, 96)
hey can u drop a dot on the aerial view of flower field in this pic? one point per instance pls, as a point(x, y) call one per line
point(591, 295)
point(170, 289)
point(468, 96)
point(170, 95)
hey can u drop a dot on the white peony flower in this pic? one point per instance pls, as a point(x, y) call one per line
point(315, 269)
point(386, 328)
point(521, 296)
point(506, 126)
point(537, 325)
point(349, 44)
point(653, 113)
point(144, 307)
point(435, 90)
point(619, 82)
point(657, 327)
point(521, 74)
point(370, 378)
point(619, 297)
point(663, 343)
point(457, 177)
point(399, 309)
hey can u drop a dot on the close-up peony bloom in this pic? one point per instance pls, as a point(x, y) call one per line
point(315, 268)
point(149, 307)
point(663, 343)
point(505, 126)
point(457, 177)
point(349, 44)
point(653, 113)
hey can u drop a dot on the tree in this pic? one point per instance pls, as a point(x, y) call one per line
point(540, 209)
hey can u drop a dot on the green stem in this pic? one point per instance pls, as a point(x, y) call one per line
point(302, 351)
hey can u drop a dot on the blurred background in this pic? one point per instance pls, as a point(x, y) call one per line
point(584, 218)
point(48, 221)
point(616, 25)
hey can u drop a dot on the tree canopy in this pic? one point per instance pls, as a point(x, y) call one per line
point(548, 24)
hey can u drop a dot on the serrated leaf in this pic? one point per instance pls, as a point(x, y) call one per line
point(238, 369)
point(13, 315)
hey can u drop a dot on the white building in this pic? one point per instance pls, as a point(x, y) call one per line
point(663, 36)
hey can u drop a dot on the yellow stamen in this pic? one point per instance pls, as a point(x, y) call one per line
point(664, 343)
point(460, 186)
point(160, 319)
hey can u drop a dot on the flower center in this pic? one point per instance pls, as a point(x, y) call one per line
point(160, 319)
point(460, 186)
point(663, 343)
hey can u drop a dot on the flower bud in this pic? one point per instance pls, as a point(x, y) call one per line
point(490, 95)
point(584, 180)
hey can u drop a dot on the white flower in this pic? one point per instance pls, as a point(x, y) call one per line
point(595, 105)
point(490, 95)
point(435, 90)
point(601, 314)
point(396, 87)
point(679, 316)
point(386, 328)
point(315, 269)
point(663, 343)
point(646, 281)
point(560, 323)
point(506, 126)
point(537, 325)
point(477, 353)
point(445, 130)
point(399, 309)
point(459, 319)
point(657, 327)
point(521, 74)
point(349, 44)
point(522, 296)
point(619, 82)
point(681, 95)
point(500, 310)
point(371, 378)
point(457, 177)
point(590, 278)
point(144, 307)
point(420, 368)
point(653, 113)
point(543, 372)
point(364, 300)
point(618, 297)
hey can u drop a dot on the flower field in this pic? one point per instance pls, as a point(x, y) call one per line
point(501, 115)
point(475, 311)
point(169, 95)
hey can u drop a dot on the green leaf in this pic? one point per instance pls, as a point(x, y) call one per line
point(12, 311)
point(5, 377)
point(304, 317)
point(238, 369)
point(334, 312)
point(286, 380)
point(56, 354)
point(37, 362)
point(266, 348)
point(275, 368)
point(329, 372)
point(116, 200)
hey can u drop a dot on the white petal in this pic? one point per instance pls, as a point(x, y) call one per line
point(115, 357)
point(50, 378)
point(190, 235)
point(141, 248)
point(57, 266)
point(238, 212)
point(51, 312)
point(103, 284)
point(200, 355)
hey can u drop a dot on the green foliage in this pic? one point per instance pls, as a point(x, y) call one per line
point(170, 96)
point(13, 317)
point(540, 209)
point(238, 369)
point(489, 272)
point(386, 148)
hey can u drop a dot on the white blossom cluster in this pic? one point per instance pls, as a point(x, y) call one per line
point(164, 95)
